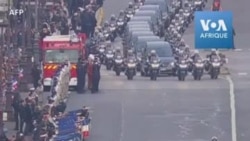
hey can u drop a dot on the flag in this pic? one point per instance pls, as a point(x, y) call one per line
point(14, 85)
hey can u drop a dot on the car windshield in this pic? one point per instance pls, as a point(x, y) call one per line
point(60, 56)
point(162, 51)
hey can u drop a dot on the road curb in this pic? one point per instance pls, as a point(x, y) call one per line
point(224, 70)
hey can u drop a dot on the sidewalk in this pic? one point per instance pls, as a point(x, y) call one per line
point(10, 125)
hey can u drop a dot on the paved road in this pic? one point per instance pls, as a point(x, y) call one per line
point(165, 110)
point(238, 64)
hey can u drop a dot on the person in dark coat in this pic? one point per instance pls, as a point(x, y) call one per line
point(35, 75)
point(81, 73)
point(28, 117)
point(88, 21)
point(15, 105)
point(96, 75)
point(22, 115)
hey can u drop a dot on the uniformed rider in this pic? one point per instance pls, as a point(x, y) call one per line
point(196, 56)
point(213, 54)
point(152, 56)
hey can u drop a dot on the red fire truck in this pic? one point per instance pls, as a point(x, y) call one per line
point(56, 50)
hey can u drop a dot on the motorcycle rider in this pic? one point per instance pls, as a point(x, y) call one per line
point(130, 55)
point(118, 53)
point(195, 56)
point(113, 19)
point(213, 54)
point(214, 139)
point(152, 56)
point(130, 7)
point(121, 15)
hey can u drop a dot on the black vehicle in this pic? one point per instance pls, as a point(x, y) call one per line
point(118, 65)
point(165, 55)
point(214, 69)
point(154, 69)
point(109, 58)
point(130, 71)
point(198, 69)
point(182, 70)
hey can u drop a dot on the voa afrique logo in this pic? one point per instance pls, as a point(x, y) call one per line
point(213, 29)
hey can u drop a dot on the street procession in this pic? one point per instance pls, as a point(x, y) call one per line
point(90, 70)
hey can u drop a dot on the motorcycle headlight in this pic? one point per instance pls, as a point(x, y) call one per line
point(112, 28)
point(216, 64)
point(172, 64)
point(183, 66)
point(129, 15)
point(199, 65)
point(101, 50)
point(155, 65)
point(109, 55)
point(106, 35)
point(197, 2)
point(119, 23)
point(118, 61)
point(131, 65)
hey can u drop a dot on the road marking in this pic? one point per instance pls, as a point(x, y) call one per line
point(122, 121)
point(233, 109)
point(242, 73)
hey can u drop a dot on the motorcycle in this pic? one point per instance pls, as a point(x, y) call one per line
point(129, 15)
point(101, 51)
point(120, 28)
point(109, 60)
point(118, 65)
point(198, 69)
point(131, 69)
point(182, 69)
point(106, 34)
point(112, 29)
point(198, 5)
point(214, 70)
point(154, 69)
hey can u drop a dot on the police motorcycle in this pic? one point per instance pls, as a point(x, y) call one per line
point(129, 12)
point(120, 24)
point(118, 65)
point(106, 32)
point(109, 59)
point(198, 69)
point(154, 67)
point(112, 28)
point(101, 51)
point(182, 69)
point(214, 67)
point(130, 71)
point(199, 5)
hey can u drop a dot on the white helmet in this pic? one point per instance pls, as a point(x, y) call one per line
point(91, 57)
point(214, 139)
point(213, 50)
point(152, 52)
point(196, 51)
